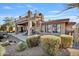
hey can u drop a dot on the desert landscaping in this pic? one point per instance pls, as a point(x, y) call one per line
point(36, 34)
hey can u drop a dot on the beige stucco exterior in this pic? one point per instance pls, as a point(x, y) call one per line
point(30, 22)
point(63, 28)
point(66, 27)
point(35, 22)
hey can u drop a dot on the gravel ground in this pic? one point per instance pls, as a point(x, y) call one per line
point(11, 50)
point(38, 51)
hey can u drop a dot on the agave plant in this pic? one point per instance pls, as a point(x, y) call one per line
point(2, 50)
point(21, 46)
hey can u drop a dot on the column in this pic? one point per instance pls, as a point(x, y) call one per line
point(16, 29)
point(40, 26)
point(29, 27)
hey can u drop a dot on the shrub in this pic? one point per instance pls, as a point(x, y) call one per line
point(76, 41)
point(66, 41)
point(1, 37)
point(6, 43)
point(21, 46)
point(2, 50)
point(33, 41)
point(50, 44)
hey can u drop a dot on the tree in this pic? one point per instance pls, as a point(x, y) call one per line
point(9, 21)
point(71, 6)
point(3, 27)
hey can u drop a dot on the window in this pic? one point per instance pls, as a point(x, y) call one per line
point(43, 28)
point(56, 28)
point(49, 28)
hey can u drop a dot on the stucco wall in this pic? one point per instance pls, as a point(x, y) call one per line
point(63, 28)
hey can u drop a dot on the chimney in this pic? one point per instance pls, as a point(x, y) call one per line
point(19, 17)
point(29, 13)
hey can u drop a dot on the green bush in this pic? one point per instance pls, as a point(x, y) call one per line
point(2, 50)
point(50, 44)
point(33, 41)
point(21, 46)
point(66, 41)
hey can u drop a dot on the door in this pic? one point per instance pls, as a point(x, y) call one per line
point(21, 29)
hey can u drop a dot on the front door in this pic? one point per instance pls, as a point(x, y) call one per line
point(21, 29)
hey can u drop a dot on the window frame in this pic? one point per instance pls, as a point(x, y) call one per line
point(55, 28)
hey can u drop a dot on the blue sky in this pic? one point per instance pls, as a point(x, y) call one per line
point(49, 10)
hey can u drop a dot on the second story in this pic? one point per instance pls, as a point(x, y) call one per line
point(30, 16)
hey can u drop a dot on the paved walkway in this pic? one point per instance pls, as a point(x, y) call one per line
point(19, 36)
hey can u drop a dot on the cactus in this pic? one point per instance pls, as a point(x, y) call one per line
point(21, 46)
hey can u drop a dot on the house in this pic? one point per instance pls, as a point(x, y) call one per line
point(57, 27)
point(35, 23)
point(30, 23)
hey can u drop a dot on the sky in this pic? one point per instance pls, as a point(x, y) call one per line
point(49, 10)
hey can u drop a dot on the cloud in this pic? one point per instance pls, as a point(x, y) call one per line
point(2, 17)
point(58, 16)
point(32, 8)
point(20, 6)
point(56, 11)
point(72, 18)
point(54, 15)
point(29, 6)
point(7, 7)
point(46, 16)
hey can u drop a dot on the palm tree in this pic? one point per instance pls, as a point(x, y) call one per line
point(74, 5)
point(9, 21)
point(70, 6)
